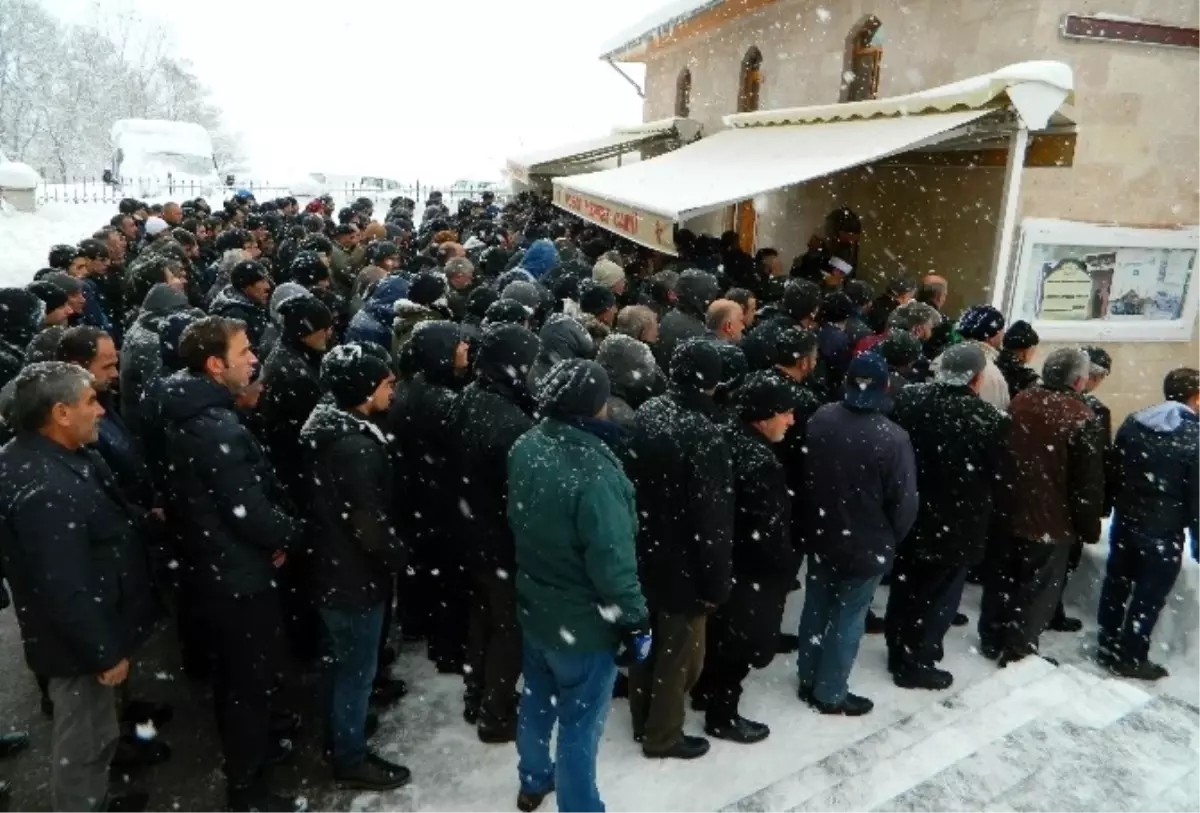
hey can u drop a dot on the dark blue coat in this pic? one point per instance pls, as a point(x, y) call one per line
point(1153, 475)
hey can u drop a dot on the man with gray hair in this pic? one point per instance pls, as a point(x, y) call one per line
point(1055, 468)
point(76, 564)
point(638, 322)
point(958, 442)
point(460, 281)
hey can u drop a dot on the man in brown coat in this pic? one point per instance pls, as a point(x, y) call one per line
point(1056, 479)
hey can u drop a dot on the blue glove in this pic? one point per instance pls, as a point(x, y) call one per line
point(635, 646)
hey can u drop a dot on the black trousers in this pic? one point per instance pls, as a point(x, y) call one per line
point(247, 649)
point(720, 686)
point(922, 600)
point(1024, 579)
point(450, 608)
point(1060, 612)
point(493, 650)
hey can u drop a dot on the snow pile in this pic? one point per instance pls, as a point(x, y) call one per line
point(658, 23)
point(15, 175)
point(25, 239)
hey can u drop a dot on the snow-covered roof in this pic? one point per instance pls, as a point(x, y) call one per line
point(621, 139)
point(162, 135)
point(15, 175)
point(656, 24)
point(1026, 85)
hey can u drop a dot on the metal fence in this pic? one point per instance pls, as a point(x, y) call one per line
point(86, 189)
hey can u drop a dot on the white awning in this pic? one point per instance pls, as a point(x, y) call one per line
point(769, 150)
point(569, 159)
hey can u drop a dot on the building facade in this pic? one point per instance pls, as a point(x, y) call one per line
point(1135, 162)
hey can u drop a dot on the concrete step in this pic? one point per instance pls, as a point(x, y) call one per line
point(845, 766)
point(946, 745)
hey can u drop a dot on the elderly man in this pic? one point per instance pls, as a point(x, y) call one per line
point(638, 322)
point(1056, 466)
point(726, 321)
point(933, 291)
point(460, 280)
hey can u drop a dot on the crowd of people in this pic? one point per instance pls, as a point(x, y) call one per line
point(549, 454)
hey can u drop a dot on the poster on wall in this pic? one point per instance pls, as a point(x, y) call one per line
point(1082, 281)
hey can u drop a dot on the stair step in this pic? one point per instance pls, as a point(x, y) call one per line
point(991, 772)
point(860, 757)
point(1125, 766)
point(890, 777)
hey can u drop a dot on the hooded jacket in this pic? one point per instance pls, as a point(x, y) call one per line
point(234, 304)
point(291, 390)
point(540, 258)
point(694, 292)
point(633, 376)
point(679, 463)
point(493, 411)
point(1154, 475)
point(141, 355)
point(1018, 375)
point(409, 314)
point(562, 337)
point(74, 557)
point(421, 423)
point(353, 537)
point(222, 489)
point(373, 322)
point(282, 293)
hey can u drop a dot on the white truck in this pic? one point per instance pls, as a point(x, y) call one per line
point(160, 158)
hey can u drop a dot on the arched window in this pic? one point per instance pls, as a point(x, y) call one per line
point(683, 94)
point(864, 53)
point(750, 81)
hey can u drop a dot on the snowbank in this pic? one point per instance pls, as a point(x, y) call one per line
point(25, 239)
point(15, 175)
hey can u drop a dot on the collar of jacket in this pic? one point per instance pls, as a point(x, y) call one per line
point(310, 356)
point(697, 401)
point(518, 395)
point(613, 437)
point(77, 461)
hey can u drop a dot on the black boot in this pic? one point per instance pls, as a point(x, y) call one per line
point(923, 678)
point(874, 624)
point(686, 748)
point(621, 685)
point(738, 730)
point(960, 620)
point(13, 742)
point(1065, 623)
point(387, 691)
point(497, 734)
point(529, 802)
point(373, 773)
point(134, 752)
point(787, 643)
point(255, 798)
point(851, 706)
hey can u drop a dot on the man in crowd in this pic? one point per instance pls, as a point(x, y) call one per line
point(983, 326)
point(246, 299)
point(725, 321)
point(856, 520)
point(571, 510)
point(493, 411)
point(1020, 345)
point(1055, 463)
point(680, 466)
point(1155, 484)
point(638, 322)
point(75, 560)
point(357, 552)
point(743, 632)
point(957, 440)
point(694, 292)
point(236, 536)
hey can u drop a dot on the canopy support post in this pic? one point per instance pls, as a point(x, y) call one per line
point(1010, 202)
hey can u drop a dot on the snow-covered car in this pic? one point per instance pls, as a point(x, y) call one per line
point(159, 158)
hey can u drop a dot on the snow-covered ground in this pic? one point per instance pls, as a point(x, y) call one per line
point(1029, 737)
point(26, 238)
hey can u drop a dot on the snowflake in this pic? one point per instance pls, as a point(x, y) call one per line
point(566, 635)
point(239, 511)
point(824, 14)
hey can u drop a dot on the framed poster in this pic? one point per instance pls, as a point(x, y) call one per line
point(1089, 282)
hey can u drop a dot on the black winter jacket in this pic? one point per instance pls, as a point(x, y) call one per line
point(74, 557)
point(141, 354)
point(222, 490)
point(291, 390)
point(958, 444)
point(1018, 375)
point(765, 562)
point(352, 533)
point(791, 451)
point(1154, 475)
point(679, 463)
point(490, 416)
point(860, 490)
point(233, 304)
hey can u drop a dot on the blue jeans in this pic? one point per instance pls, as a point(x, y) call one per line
point(831, 627)
point(574, 688)
point(354, 644)
point(1140, 574)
